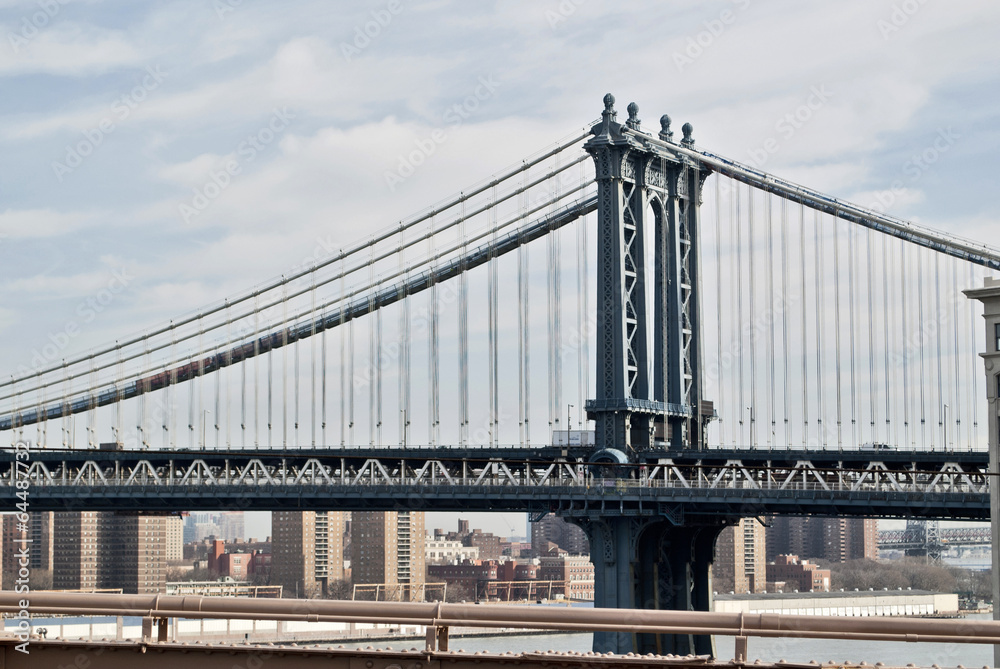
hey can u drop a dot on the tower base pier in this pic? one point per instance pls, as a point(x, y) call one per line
point(652, 563)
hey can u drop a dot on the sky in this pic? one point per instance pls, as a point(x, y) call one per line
point(155, 157)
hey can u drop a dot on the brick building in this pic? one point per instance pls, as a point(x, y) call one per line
point(830, 539)
point(567, 536)
point(387, 547)
point(96, 549)
point(307, 551)
point(740, 564)
point(797, 574)
point(575, 570)
point(36, 535)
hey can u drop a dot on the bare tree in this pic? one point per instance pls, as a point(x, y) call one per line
point(339, 589)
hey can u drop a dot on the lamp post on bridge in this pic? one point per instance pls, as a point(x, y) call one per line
point(989, 295)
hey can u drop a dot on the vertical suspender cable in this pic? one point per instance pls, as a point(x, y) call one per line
point(345, 380)
point(851, 285)
point(313, 415)
point(143, 403)
point(771, 408)
point(753, 320)
point(492, 288)
point(191, 417)
point(921, 335)
point(40, 413)
point(820, 324)
point(372, 350)
point(404, 350)
point(718, 302)
point(956, 370)
point(802, 312)
point(172, 391)
point(120, 410)
point(736, 280)
point(256, 373)
point(284, 368)
point(229, 390)
point(295, 395)
point(582, 380)
point(905, 344)
point(42, 424)
point(378, 375)
point(938, 335)
point(322, 401)
point(886, 320)
point(243, 405)
point(873, 398)
point(524, 329)
point(435, 371)
point(463, 340)
point(836, 327)
point(350, 382)
point(973, 385)
point(67, 417)
point(784, 319)
point(738, 289)
point(521, 349)
point(218, 407)
point(270, 396)
point(92, 415)
point(554, 275)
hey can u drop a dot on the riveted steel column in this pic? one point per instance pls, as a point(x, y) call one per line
point(608, 149)
point(651, 564)
point(611, 552)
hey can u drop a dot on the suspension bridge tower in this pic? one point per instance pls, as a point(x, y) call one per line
point(648, 184)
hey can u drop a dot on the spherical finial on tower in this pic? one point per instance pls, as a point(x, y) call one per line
point(633, 116)
point(609, 102)
point(665, 132)
point(687, 129)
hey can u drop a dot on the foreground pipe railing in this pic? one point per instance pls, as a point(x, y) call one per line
point(438, 617)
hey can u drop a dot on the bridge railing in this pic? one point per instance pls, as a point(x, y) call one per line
point(436, 618)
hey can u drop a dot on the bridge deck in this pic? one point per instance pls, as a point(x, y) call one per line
point(676, 484)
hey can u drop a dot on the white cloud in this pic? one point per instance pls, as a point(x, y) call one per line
point(31, 223)
point(70, 49)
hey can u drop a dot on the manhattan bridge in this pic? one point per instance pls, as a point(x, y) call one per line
point(643, 337)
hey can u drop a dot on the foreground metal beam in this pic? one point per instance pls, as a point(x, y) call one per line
point(128, 655)
point(440, 615)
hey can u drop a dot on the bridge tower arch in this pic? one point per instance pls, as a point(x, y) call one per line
point(640, 176)
point(655, 562)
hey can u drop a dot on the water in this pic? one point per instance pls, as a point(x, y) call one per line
point(892, 653)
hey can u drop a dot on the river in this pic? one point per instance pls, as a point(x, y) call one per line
point(892, 653)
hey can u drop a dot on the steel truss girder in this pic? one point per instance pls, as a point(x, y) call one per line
point(565, 484)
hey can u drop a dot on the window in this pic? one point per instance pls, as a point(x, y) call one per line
point(996, 332)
